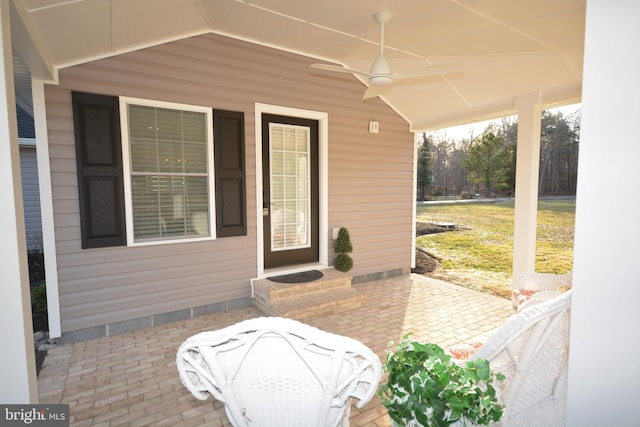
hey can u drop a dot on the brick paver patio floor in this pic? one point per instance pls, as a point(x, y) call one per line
point(131, 379)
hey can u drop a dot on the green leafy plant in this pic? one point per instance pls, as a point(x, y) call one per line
point(427, 388)
point(343, 247)
point(39, 296)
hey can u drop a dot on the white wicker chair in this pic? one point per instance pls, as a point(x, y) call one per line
point(273, 371)
point(531, 350)
point(532, 288)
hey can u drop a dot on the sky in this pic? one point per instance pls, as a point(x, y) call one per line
point(464, 131)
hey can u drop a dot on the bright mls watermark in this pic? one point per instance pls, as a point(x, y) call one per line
point(34, 415)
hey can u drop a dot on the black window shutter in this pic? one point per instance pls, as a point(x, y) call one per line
point(99, 161)
point(228, 136)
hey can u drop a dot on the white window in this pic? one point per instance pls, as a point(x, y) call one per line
point(168, 171)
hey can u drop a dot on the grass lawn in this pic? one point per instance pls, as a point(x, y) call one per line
point(480, 253)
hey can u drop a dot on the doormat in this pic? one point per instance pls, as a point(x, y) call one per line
point(302, 277)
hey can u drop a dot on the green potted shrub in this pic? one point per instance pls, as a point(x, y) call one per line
point(427, 388)
point(343, 248)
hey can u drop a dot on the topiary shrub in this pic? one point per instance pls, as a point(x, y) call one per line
point(343, 247)
point(343, 242)
point(343, 262)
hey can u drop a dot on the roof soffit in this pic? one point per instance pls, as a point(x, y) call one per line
point(508, 47)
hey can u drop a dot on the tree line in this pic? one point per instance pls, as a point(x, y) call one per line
point(485, 165)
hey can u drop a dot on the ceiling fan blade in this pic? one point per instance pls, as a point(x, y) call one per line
point(339, 69)
point(373, 91)
point(431, 70)
point(427, 80)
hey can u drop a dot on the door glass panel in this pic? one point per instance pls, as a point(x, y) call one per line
point(289, 147)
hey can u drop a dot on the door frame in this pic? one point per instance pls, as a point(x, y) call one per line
point(323, 183)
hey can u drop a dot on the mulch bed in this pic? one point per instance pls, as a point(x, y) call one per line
point(427, 262)
point(423, 228)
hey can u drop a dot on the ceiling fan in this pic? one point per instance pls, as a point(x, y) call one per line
point(380, 76)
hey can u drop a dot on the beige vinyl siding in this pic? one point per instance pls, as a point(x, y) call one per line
point(376, 205)
point(370, 176)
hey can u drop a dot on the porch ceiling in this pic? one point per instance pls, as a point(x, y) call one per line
point(508, 47)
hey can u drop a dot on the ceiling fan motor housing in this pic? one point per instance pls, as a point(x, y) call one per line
point(380, 72)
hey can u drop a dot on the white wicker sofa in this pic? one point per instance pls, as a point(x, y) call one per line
point(531, 287)
point(531, 350)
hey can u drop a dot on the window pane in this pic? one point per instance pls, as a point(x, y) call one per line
point(196, 193)
point(170, 157)
point(166, 206)
point(289, 139)
point(276, 137)
point(277, 225)
point(290, 213)
point(301, 163)
point(290, 163)
point(142, 122)
point(194, 127)
point(169, 182)
point(146, 218)
point(144, 156)
point(277, 162)
point(277, 188)
point(302, 188)
point(289, 186)
point(200, 223)
point(301, 142)
point(169, 124)
point(195, 158)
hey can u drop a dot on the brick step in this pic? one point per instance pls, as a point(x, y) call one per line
point(317, 304)
point(273, 291)
point(330, 294)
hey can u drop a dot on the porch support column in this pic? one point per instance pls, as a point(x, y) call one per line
point(527, 170)
point(17, 358)
point(46, 208)
point(416, 145)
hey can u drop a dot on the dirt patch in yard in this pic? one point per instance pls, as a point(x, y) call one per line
point(428, 264)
